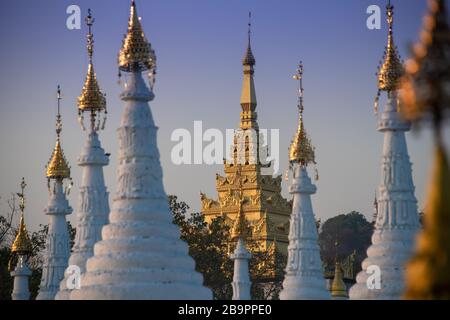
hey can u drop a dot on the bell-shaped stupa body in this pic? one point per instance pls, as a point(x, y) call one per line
point(140, 255)
point(383, 271)
point(397, 222)
point(304, 279)
point(92, 212)
point(21, 275)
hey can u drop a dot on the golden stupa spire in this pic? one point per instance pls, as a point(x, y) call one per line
point(391, 69)
point(58, 167)
point(22, 243)
point(425, 93)
point(249, 59)
point(248, 94)
point(338, 288)
point(91, 99)
point(136, 53)
point(301, 150)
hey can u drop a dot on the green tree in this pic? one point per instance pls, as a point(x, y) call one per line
point(351, 231)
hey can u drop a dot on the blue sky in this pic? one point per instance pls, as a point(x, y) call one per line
point(199, 45)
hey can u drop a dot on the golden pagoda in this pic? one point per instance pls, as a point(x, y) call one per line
point(245, 190)
point(338, 288)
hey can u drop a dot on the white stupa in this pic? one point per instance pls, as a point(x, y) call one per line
point(22, 248)
point(93, 207)
point(140, 255)
point(304, 279)
point(397, 220)
point(57, 245)
point(241, 256)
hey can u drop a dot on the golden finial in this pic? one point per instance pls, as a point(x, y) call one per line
point(90, 37)
point(136, 53)
point(21, 195)
point(91, 99)
point(249, 59)
point(22, 243)
point(336, 247)
point(391, 70)
point(58, 167)
point(425, 85)
point(301, 150)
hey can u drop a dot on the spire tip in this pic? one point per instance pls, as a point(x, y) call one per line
point(249, 59)
point(301, 150)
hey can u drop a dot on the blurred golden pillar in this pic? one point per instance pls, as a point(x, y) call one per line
point(426, 96)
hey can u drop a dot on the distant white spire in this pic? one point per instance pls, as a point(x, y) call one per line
point(304, 279)
point(241, 278)
point(57, 244)
point(22, 248)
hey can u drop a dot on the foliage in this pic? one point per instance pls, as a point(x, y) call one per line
point(8, 231)
point(351, 231)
